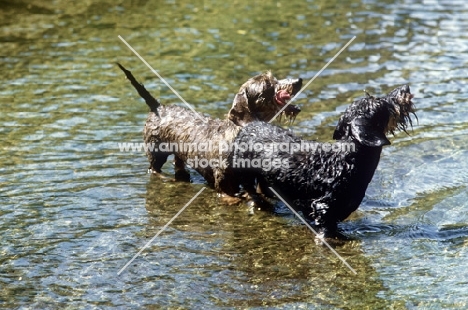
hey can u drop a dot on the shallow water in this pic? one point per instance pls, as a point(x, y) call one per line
point(75, 209)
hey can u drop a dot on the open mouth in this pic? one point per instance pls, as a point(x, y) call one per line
point(286, 89)
point(282, 97)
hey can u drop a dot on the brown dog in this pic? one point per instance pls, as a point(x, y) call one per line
point(180, 131)
point(262, 97)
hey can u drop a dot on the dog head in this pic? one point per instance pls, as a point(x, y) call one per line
point(369, 119)
point(262, 97)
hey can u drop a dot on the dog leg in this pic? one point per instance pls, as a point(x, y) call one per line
point(181, 174)
point(157, 160)
point(256, 198)
point(327, 226)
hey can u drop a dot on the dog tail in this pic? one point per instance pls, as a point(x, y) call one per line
point(152, 102)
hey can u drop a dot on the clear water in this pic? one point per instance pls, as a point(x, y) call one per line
point(74, 209)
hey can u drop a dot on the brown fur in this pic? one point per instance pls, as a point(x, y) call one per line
point(259, 99)
point(262, 97)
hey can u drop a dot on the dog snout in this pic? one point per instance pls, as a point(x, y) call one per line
point(297, 85)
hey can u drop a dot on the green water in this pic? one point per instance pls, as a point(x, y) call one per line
point(74, 209)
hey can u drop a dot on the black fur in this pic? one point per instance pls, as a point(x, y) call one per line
point(327, 185)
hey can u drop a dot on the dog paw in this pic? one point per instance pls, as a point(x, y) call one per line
point(229, 200)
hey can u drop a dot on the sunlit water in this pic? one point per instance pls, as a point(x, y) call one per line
point(75, 209)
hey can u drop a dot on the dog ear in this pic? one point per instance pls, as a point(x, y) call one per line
point(341, 129)
point(365, 132)
point(240, 113)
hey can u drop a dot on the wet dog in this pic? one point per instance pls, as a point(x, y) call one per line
point(198, 140)
point(326, 182)
point(262, 97)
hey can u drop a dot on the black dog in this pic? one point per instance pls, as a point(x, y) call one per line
point(326, 182)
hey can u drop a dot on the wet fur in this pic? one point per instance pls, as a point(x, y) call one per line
point(256, 100)
point(325, 185)
point(328, 185)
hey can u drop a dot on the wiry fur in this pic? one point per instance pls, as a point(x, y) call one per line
point(177, 124)
point(327, 185)
point(262, 97)
point(258, 99)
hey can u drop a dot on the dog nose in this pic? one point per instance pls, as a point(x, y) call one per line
point(297, 84)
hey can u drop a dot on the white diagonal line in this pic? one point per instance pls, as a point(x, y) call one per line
point(312, 79)
point(314, 231)
point(160, 231)
point(161, 78)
